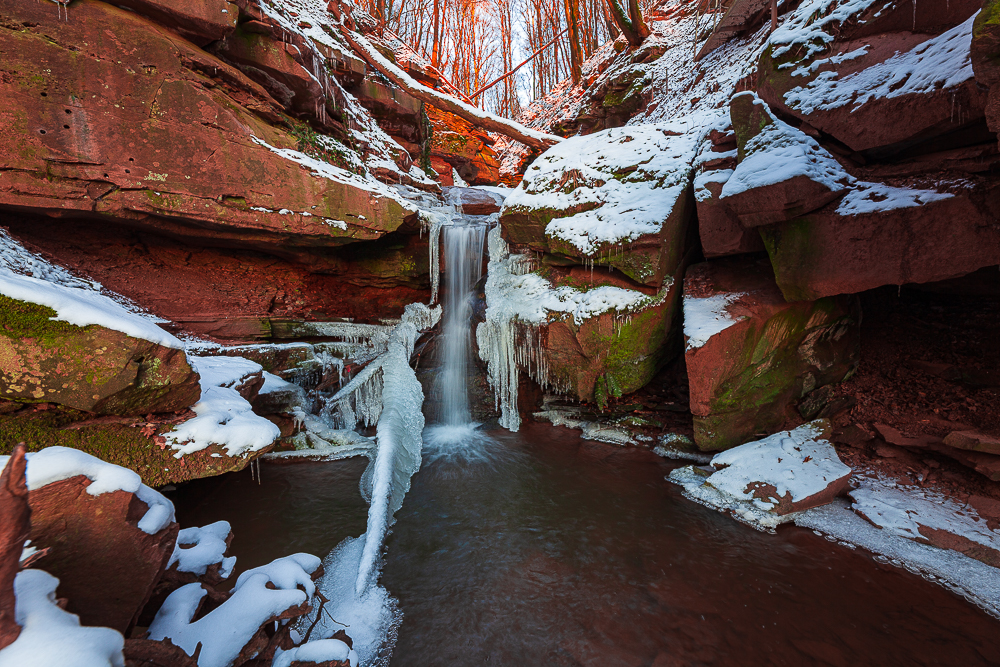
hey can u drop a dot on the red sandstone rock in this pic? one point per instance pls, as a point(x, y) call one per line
point(106, 566)
point(201, 21)
point(149, 653)
point(864, 127)
point(90, 368)
point(974, 441)
point(720, 229)
point(15, 526)
point(474, 201)
point(751, 355)
point(149, 130)
point(829, 252)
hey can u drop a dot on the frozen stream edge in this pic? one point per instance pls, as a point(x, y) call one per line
point(975, 581)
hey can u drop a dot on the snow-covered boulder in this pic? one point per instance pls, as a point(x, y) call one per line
point(236, 631)
point(320, 653)
point(617, 198)
point(781, 172)
point(61, 342)
point(766, 482)
point(751, 356)
point(586, 334)
point(877, 76)
point(109, 535)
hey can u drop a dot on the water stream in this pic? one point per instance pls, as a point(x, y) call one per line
point(540, 548)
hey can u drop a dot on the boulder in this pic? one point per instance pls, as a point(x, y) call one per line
point(608, 354)
point(149, 130)
point(888, 233)
point(781, 173)
point(751, 356)
point(463, 146)
point(473, 200)
point(719, 228)
point(974, 441)
point(619, 198)
point(109, 535)
point(91, 368)
point(862, 76)
point(765, 482)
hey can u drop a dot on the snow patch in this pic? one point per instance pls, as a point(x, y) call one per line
point(223, 417)
point(706, 316)
point(197, 549)
point(52, 637)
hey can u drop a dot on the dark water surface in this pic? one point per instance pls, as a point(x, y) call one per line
point(544, 549)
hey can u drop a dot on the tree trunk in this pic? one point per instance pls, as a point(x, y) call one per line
point(625, 24)
point(436, 45)
point(774, 15)
point(573, 25)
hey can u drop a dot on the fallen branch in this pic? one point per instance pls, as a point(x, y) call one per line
point(398, 77)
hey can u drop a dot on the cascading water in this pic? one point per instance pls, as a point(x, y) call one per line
point(463, 251)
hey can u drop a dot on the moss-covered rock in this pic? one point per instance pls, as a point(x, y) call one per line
point(751, 356)
point(128, 442)
point(88, 368)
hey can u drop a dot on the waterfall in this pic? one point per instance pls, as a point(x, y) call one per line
point(463, 252)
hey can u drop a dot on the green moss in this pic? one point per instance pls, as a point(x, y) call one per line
point(19, 319)
point(119, 443)
point(793, 254)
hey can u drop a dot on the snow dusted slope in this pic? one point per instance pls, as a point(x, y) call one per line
point(27, 277)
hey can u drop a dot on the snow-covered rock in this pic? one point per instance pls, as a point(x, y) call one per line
point(766, 482)
point(52, 637)
point(108, 535)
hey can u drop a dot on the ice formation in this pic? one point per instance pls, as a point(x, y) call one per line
point(517, 303)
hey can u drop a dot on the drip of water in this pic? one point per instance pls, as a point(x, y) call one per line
point(463, 251)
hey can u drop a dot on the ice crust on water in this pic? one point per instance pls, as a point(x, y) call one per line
point(517, 302)
point(224, 631)
point(76, 301)
point(323, 650)
point(901, 511)
point(197, 549)
point(224, 418)
point(704, 317)
point(975, 581)
point(54, 464)
point(657, 162)
point(939, 63)
point(52, 637)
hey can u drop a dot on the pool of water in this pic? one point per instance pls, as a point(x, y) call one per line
point(539, 548)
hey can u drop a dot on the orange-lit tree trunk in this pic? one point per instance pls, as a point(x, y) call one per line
point(573, 23)
point(629, 22)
